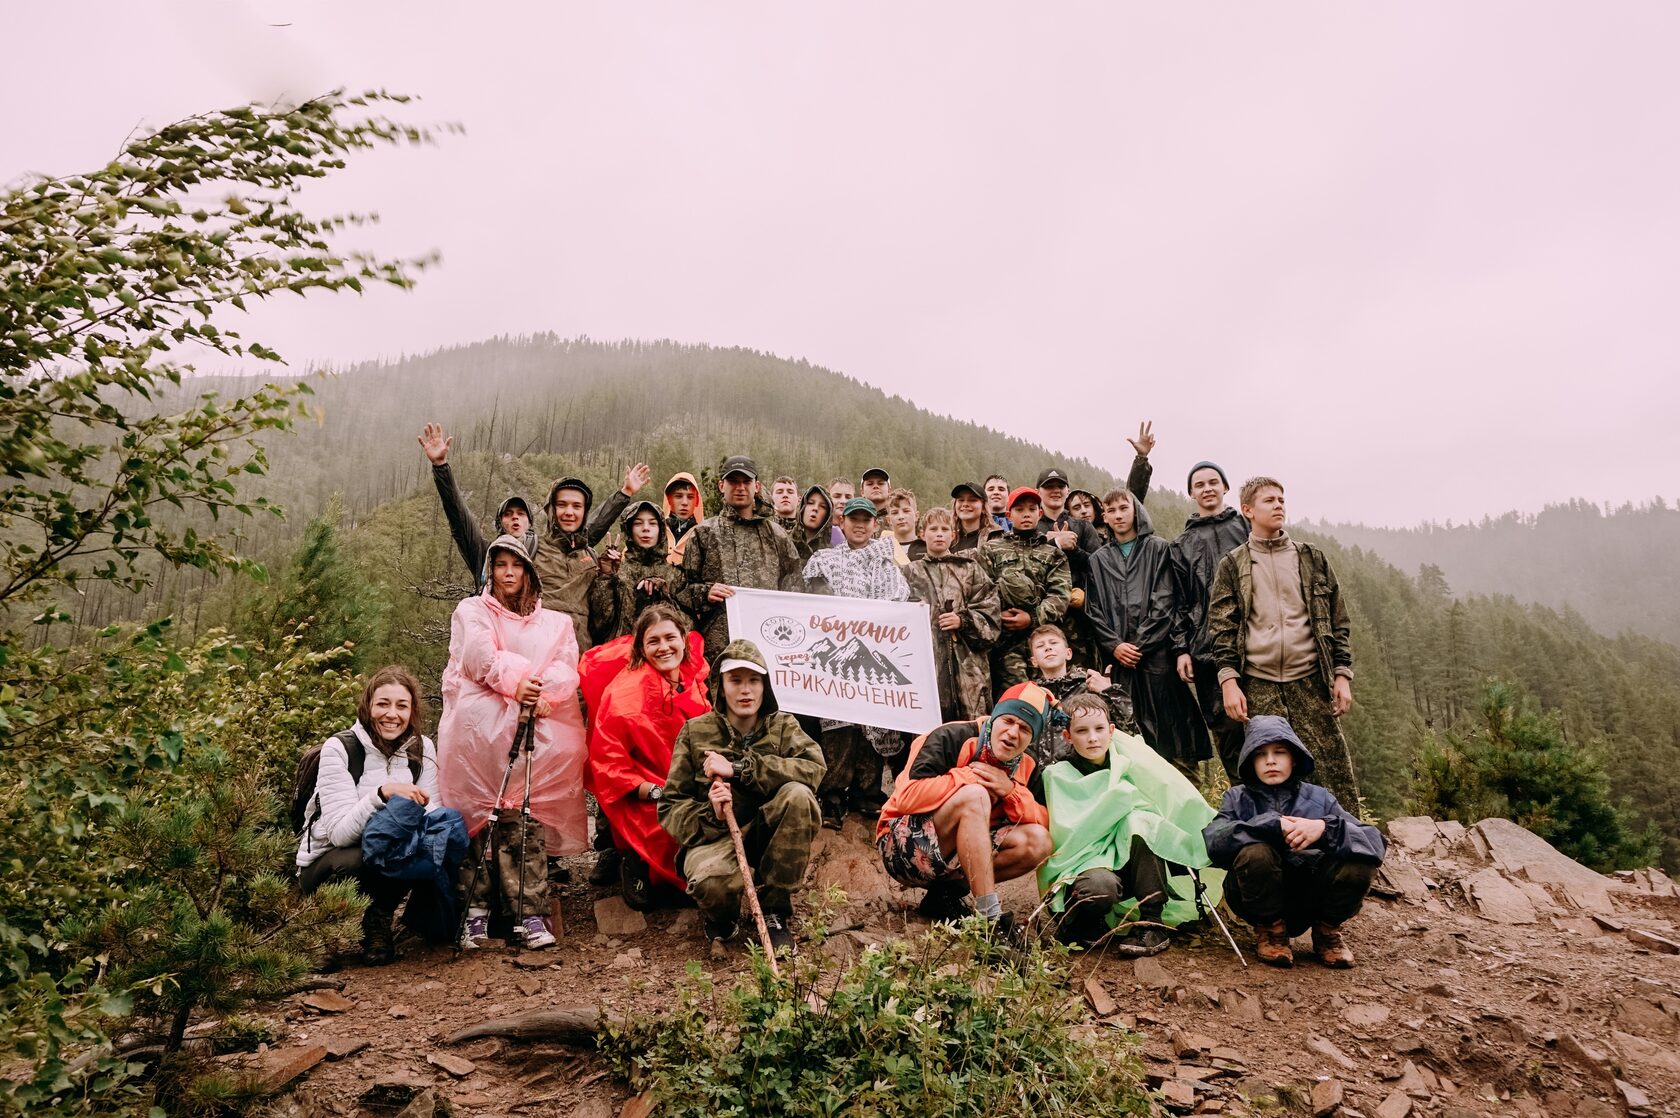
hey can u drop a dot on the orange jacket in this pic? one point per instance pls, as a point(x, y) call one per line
point(940, 763)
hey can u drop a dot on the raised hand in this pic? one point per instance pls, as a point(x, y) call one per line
point(1145, 441)
point(435, 443)
point(636, 477)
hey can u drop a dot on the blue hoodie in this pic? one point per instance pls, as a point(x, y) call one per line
point(1252, 811)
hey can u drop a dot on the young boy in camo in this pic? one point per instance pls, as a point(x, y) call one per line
point(630, 578)
point(1033, 582)
point(746, 756)
point(963, 609)
point(1281, 637)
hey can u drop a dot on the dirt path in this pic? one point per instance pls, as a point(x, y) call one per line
point(1446, 1014)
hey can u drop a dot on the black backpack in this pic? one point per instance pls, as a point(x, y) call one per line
point(306, 806)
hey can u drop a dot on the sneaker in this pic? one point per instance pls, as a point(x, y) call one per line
point(557, 873)
point(1139, 942)
point(833, 815)
point(1271, 944)
point(476, 933)
point(781, 940)
point(533, 933)
point(1008, 940)
point(633, 883)
point(1331, 949)
point(945, 904)
point(606, 869)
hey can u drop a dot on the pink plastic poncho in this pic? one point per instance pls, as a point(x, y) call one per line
point(491, 649)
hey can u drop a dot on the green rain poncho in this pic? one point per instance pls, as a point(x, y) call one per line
point(1094, 816)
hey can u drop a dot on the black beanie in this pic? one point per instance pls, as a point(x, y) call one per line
point(1214, 466)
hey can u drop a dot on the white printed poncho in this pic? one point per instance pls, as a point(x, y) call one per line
point(870, 571)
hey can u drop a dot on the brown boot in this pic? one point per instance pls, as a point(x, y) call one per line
point(1271, 944)
point(1330, 947)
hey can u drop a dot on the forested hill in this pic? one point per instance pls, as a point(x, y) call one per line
point(1618, 568)
point(524, 411)
point(595, 408)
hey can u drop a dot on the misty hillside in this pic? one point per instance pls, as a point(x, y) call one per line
point(526, 411)
point(1618, 568)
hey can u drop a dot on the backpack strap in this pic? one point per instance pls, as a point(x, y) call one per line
point(355, 754)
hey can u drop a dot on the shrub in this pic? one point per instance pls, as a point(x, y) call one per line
point(1519, 765)
point(920, 1026)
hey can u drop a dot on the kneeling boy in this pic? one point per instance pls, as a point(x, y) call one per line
point(962, 817)
point(1117, 809)
point(1297, 859)
point(748, 756)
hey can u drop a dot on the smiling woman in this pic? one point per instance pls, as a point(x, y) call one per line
point(632, 730)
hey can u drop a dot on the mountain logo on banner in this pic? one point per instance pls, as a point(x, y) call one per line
point(855, 662)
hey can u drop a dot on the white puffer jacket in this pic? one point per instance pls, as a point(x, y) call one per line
point(346, 805)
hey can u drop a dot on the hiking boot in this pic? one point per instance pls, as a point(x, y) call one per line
point(781, 940)
point(1006, 941)
point(606, 869)
point(476, 932)
point(720, 930)
point(1271, 944)
point(634, 884)
point(945, 904)
point(1331, 949)
point(532, 933)
point(1141, 941)
point(379, 941)
point(833, 815)
point(557, 873)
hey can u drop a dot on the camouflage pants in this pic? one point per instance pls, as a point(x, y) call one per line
point(1307, 707)
point(527, 880)
point(1011, 662)
point(778, 841)
point(853, 777)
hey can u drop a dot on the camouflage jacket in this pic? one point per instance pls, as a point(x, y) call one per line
point(614, 601)
point(776, 752)
point(1232, 600)
point(1030, 574)
point(724, 548)
point(964, 668)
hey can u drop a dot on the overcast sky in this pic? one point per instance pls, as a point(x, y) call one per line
point(1418, 260)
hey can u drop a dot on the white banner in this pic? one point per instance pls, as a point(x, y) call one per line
point(851, 659)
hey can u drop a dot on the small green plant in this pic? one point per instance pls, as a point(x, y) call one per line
point(919, 1026)
point(1519, 765)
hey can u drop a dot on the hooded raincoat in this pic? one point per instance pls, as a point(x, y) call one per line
point(491, 650)
point(644, 576)
point(632, 727)
point(1133, 599)
point(678, 526)
point(808, 541)
point(566, 560)
point(1094, 816)
point(1253, 811)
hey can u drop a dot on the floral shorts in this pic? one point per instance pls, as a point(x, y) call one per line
point(910, 852)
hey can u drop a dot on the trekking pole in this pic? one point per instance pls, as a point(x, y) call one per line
point(747, 882)
point(527, 730)
point(1213, 911)
point(487, 851)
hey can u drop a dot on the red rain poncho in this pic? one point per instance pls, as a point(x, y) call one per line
point(632, 726)
point(491, 649)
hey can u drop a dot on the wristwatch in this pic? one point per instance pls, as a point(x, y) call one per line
point(655, 793)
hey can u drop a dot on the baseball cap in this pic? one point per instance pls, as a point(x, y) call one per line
point(1050, 475)
point(877, 470)
point(967, 487)
point(731, 664)
point(740, 464)
point(1021, 493)
point(860, 504)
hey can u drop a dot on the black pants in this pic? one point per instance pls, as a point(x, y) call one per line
point(1227, 733)
point(1264, 886)
point(853, 779)
point(344, 863)
point(1094, 893)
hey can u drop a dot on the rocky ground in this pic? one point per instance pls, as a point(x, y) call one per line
point(1495, 977)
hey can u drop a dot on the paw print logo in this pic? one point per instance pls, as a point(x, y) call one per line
point(783, 632)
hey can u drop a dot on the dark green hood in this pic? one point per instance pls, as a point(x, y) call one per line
point(748, 651)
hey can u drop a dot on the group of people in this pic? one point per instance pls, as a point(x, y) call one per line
point(1085, 666)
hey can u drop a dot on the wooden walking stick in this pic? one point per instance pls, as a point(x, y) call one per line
point(747, 880)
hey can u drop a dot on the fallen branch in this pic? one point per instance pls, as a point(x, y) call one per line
point(570, 1024)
